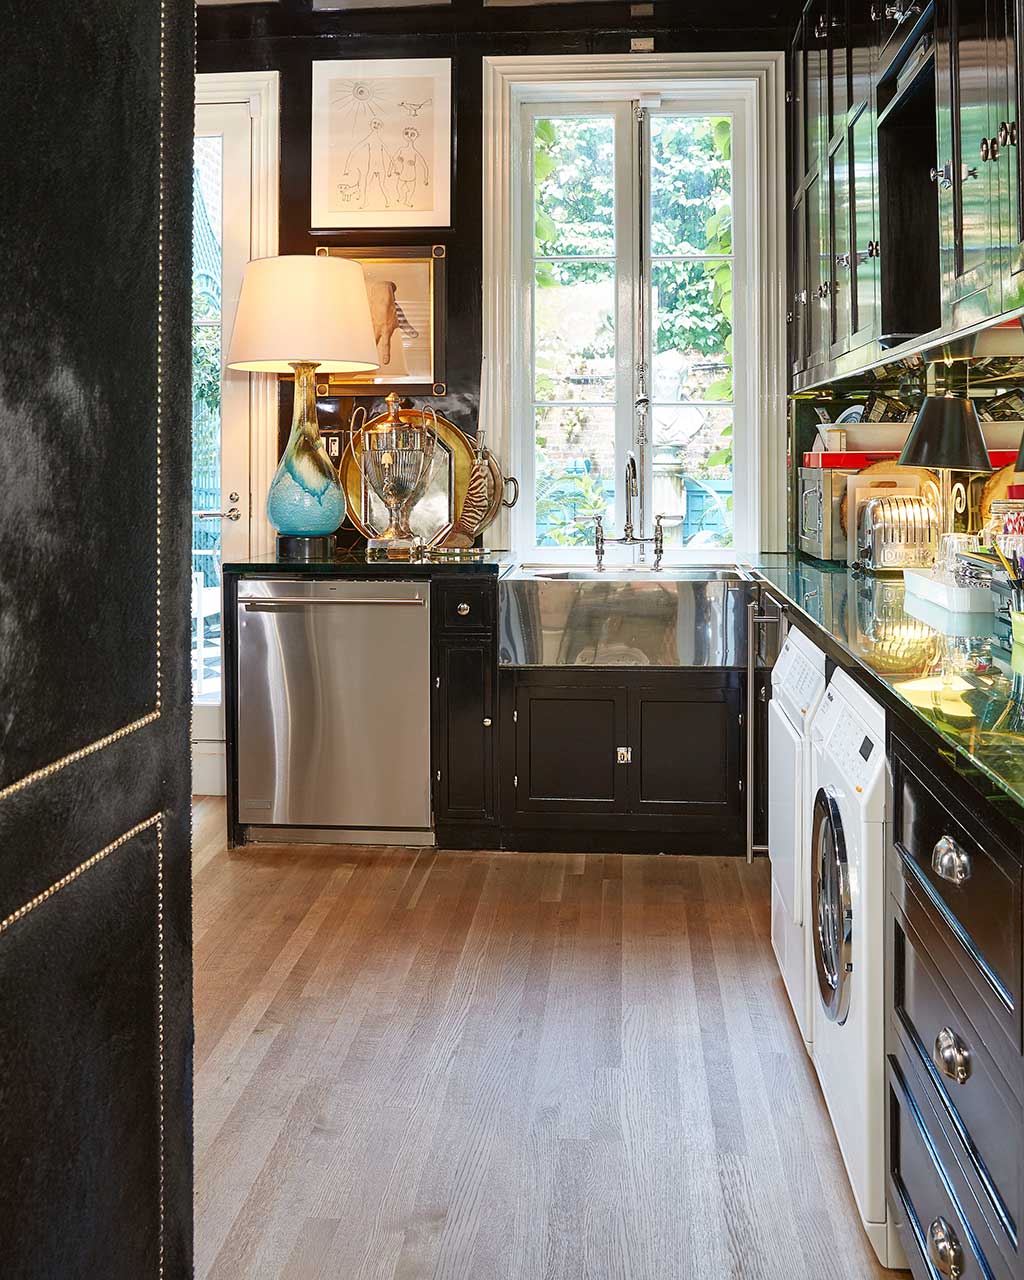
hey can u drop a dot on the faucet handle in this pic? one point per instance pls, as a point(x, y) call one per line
point(598, 522)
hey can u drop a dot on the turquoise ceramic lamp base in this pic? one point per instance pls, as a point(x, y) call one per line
point(305, 504)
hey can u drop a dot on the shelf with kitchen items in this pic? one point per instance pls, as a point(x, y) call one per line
point(415, 484)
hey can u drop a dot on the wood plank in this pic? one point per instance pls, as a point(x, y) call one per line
point(420, 1063)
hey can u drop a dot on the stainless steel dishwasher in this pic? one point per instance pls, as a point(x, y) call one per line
point(334, 710)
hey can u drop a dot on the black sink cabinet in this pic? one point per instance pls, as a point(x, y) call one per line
point(623, 759)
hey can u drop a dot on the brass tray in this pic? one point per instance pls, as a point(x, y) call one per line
point(436, 515)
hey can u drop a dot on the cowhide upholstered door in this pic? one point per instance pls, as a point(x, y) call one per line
point(95, 972)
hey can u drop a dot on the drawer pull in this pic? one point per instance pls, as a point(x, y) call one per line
point(945, 1249)
point(950, 861)
point(462, 609)
point(952, 1056)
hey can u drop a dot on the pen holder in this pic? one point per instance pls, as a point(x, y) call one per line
point(1017, 626)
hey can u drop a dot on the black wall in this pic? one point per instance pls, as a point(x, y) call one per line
point(288, 37)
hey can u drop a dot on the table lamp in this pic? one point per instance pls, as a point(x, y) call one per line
point(946, 437)
point(300, 313)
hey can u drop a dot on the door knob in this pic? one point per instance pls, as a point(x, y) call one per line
point(232, 513)
point(952, 1056)
point(945, 1249)
point(462, 610)
point(950, 861)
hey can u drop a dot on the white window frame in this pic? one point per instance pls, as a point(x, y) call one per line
point(747, 86)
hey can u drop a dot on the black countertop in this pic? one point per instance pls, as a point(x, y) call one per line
point(346, 564)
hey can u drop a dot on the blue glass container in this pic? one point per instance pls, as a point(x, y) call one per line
point(305, 498)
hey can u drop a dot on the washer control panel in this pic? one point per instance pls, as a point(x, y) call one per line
point(858, 752)
point(797, 675)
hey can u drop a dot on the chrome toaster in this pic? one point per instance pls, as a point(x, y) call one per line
point(896, 532)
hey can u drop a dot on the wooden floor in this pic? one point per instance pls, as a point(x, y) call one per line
point(473, 1066)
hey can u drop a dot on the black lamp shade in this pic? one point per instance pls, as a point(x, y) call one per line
point(946, 436)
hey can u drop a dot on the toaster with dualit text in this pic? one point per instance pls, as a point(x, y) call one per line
point(896, 532)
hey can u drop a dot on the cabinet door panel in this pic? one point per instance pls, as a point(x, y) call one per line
point(816, 87)
point(465, 740)
point(865, 249)
point(818, 273)
point(839, 62)
point(840, 311)
point(970, 207)
point(1011, 114)
point(686, 748)
point(566, 744)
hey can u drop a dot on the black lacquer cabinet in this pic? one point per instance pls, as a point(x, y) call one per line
point(633, 760)
point(906, 191)
point(955, 1074)
point(464, 667)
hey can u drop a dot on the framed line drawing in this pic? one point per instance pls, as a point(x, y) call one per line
point(406, 291)
point(382, 143)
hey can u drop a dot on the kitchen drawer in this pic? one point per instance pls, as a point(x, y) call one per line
point(971, 1094)
point(464, 605)
point(973, 882)
point(930, 1190)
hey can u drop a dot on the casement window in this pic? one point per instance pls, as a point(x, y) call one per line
point(636, 318)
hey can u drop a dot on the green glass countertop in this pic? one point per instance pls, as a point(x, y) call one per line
point(962, 685)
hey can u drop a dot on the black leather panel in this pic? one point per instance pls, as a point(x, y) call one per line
point(78, 313)
point(80, 1175)
point(86, 1033)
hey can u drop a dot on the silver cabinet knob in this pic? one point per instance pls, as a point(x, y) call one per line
point(462, 609)
point(950, 861)
point(945, 1249)
point(487, 722)
point(952, 1056)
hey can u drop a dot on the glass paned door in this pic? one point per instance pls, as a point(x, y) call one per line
point(220, 398)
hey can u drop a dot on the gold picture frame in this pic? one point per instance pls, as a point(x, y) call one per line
point(406, 291)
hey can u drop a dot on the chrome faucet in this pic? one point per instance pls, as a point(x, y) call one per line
point(629, 538)
point(632, 491)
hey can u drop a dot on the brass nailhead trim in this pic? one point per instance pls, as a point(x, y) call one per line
point(80, 870)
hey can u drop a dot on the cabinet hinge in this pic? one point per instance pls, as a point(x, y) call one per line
point(437, 682)
point(740, 718)
point(741, 784)
point(515, 717)
point(515, 779)
point(789, 95)
point(438, 775)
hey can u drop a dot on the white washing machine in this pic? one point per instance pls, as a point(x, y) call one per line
point(847, 881)
point(798, 685)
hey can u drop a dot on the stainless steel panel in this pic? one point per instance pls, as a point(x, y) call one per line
point(548, 618)
point(334, 704)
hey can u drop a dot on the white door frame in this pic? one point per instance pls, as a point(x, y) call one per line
point(251, 399)
point(260, 91)
point(508, 82)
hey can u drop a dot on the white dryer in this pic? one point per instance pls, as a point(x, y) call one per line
point(798, 685)
point(847, 854)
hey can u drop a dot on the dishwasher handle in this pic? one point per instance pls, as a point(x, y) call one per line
point(281, 603)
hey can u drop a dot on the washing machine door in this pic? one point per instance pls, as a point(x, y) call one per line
point(831, 907)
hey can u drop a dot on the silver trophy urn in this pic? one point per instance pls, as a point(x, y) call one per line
point(395, 459)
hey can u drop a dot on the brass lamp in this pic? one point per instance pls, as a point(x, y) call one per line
point(946, 437)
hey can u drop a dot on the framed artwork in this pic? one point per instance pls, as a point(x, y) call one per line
point(382, 143)
point(406, 291)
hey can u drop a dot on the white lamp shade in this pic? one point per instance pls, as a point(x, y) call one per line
point(306, 308)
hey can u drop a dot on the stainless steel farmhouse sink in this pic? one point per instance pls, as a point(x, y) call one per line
point(678, 616)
